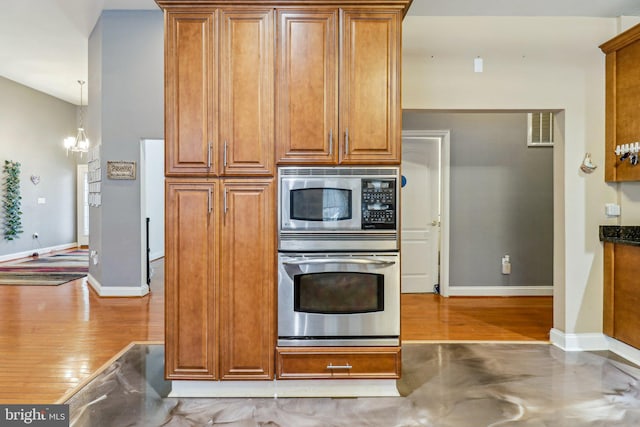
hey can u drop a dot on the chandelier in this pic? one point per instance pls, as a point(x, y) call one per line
point(79, 143)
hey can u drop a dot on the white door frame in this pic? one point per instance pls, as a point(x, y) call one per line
point(444, 136)
point(82, 239)
point(143, 210)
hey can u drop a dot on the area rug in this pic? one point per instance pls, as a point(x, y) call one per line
point(47, 270)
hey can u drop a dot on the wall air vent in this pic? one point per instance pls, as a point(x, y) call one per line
point(540, 129)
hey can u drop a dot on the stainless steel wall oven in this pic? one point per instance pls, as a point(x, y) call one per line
point(333, 299)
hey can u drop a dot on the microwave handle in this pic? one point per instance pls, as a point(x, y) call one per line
point(339, 261)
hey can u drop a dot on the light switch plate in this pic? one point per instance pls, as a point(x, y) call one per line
point(612, 209)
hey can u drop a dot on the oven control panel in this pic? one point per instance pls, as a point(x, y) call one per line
point(379, 203)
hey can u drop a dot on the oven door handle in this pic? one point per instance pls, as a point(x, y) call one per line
point(340, 261)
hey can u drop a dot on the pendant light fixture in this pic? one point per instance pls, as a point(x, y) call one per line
point(79, 144)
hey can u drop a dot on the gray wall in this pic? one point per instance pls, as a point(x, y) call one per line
point(501, 194)
point(32, 128)
point(94, 132)
point(126, 61)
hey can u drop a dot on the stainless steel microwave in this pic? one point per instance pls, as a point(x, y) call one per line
point(338, 208)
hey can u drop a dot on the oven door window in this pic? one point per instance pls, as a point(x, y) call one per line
point(339, 293)
point(321, 204)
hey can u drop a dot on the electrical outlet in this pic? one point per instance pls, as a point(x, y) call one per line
point(506, 265)
point(35, 235)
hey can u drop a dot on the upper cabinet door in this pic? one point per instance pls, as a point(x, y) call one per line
point(246, 92)
point(622, 94)
point(307, 83)
point(190, 93)
point(370, 111)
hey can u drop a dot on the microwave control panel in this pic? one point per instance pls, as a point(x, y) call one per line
point(378, 203)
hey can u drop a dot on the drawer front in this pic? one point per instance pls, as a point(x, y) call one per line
point(338, 362)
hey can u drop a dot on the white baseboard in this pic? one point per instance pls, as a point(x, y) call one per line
point(578, 342)
point(593, 342)
point(499, 291)
point(117, 291)
point(621, 349)
point(285, 388)
point(40, 251)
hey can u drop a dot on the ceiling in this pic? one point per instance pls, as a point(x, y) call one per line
point(43, 44)
point(594, 8)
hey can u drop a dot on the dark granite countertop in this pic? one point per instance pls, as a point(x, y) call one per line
point(623, 234)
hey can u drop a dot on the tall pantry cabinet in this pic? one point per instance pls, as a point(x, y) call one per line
point(248, 84)
point(220, 194)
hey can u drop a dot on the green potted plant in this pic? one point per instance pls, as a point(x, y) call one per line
point(12, 200)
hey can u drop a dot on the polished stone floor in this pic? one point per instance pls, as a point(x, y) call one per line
point(444, 385)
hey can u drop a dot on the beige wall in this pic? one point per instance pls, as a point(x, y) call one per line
point(534, 63)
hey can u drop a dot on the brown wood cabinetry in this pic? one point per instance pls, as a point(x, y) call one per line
point(219, 92)
point(246, 91)
point(338, 362)
point(247, 283)
point(307, 86)
point(334, 68)
point(370, 110)
point(220, 279)
point(338, 86)
point(190, 93)
point(622, 94)
point(621, 293)
point(191, 279)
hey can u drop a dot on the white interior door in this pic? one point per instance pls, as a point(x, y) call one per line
point(82, 201)
point(420, 213)
point(152, 192)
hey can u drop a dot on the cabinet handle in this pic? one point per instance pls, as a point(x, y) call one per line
point(331, 142)
point(332, 366)
point(225, 200)
point(346, 142)
point(209, 155)
point(323, 261)
point(209, 205)
point(224, 154)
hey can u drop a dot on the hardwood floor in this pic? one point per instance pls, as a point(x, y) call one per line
point(432, 317)
point(53, 338)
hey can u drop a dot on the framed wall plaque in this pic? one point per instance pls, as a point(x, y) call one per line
point(121, 170)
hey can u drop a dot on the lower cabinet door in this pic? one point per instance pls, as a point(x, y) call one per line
point(338, 362)
point(247, 280)
point(190, 279)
